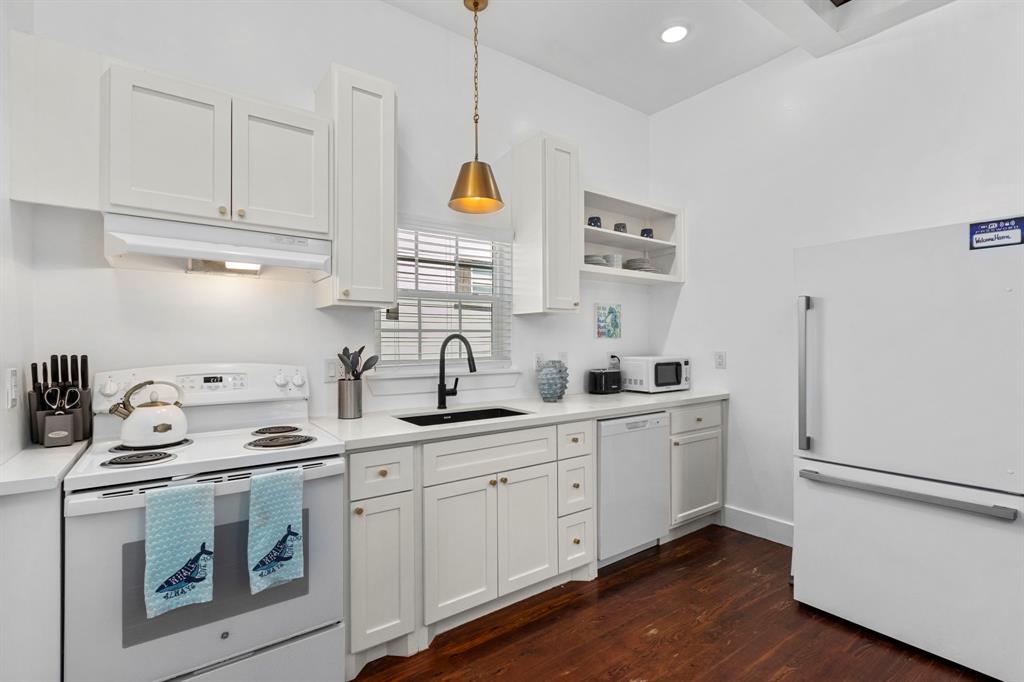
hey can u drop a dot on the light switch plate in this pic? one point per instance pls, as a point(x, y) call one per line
point(12, 387)
point(719, 359)
point(332, 370)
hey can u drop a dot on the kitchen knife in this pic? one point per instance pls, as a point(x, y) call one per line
point(54, 374)
point(65, 377)
point(46, 380)
point(85, 372)
point(36, 386)
point(74, 371)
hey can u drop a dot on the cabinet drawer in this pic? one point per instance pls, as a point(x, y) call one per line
point(380, 472)
point(577, 540)
point(932, 564)
point(696, 417)
point(577, 483)
point(454, 460)
point(575, 439)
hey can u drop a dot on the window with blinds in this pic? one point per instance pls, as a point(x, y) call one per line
point(448, 283)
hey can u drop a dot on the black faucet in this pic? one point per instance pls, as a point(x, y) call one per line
point(442, 388)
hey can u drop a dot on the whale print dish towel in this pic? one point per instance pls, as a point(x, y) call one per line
point(275, 529)
point(179, 547)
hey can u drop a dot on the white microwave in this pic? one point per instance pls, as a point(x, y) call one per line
point(655, 373)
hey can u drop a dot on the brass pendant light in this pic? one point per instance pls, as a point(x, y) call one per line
point(476, 190)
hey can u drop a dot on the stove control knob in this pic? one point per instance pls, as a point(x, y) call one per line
point(109, 388)
point(298, 379)
point(281, 380)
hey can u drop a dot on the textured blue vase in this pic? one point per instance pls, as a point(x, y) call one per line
point(552, 380)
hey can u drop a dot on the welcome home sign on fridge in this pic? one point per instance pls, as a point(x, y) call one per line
point(1005, 232)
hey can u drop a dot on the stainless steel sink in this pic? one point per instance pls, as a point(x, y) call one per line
point(454, 417)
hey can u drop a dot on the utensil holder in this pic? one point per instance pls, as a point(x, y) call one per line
point(350, 399)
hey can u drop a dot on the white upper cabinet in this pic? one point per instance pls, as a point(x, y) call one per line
point(187, 152)
point(279, 167)
point(547, 214)
point(364, 177)
point(169, 145)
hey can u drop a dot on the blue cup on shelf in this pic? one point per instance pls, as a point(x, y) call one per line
point(594, 221)
point(620, 227)
point(647, 232)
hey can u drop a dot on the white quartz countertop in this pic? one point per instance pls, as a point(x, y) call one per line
point(385, 429)
point(38, 468)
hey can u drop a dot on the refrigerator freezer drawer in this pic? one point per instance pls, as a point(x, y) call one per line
point(936, 565)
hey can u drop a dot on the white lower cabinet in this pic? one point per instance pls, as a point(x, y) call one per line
point(488, 536)
point(460, 546)
point(527, 513)
point(577, 540)
point(382, 565)
point(696, 471)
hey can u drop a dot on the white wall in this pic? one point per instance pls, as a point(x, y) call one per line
point(15, 257)
point(919, 126)
point(279, 51)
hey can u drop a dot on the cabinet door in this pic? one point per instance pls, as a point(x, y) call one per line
point(460, 546)
point(365, 188)
point(563, 224)
point(696, 475)
point(527, 526)
point(169, 145)
point(381, 549)
point(279, 167)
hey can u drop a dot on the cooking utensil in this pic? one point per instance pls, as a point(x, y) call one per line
point(345, 363)
point(354, 360)
point(368, 365)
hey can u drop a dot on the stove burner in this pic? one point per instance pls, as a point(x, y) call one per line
point(136, 459)
point(274, 430)
point(275, 442)
point(150, 448)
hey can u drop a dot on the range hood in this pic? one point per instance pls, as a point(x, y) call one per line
point(131, 241)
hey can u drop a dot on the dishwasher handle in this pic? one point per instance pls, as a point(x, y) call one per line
point(632, 424)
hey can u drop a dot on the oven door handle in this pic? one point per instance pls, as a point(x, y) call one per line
point(227, 483)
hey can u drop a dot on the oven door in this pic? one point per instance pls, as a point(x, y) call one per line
point(106, 633)
point(667, 375)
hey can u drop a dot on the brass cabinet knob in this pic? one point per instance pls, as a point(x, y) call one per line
point(504, 479)
point(358, 511)
point(576, 303)
point(223, 210)
point(241, 213)
point(383, 473)
point(676, 443)
point(492, 482)
point(575, 485)
point(575, 439)
point(576, 541)
point(345, 293)
point(700, 419)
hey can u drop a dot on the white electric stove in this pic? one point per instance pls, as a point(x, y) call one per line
point(243, 420)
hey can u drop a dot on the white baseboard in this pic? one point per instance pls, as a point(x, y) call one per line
point(761, 525)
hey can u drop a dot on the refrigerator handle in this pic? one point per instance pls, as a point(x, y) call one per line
point(803, 304)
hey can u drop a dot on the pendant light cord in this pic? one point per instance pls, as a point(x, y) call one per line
point(476, 85)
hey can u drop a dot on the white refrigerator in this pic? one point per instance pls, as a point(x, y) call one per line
point(909, 474)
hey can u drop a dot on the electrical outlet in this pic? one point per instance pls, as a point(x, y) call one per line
point(332, 370)
point(12, 387)
point(719, 359)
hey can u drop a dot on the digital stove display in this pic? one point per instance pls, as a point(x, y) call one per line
point(213, 380)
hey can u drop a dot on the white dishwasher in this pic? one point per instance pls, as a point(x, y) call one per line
point(633, 505)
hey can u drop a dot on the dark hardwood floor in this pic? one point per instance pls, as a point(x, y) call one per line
point(715, 605)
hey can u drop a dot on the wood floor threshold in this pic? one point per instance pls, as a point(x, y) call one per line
point(715, 605)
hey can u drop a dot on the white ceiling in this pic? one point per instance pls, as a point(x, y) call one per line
point(612, 46)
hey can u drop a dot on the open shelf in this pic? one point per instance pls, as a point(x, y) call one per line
point(607, 274)
point(621, 240)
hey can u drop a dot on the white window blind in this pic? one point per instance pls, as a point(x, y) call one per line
point(448, 283)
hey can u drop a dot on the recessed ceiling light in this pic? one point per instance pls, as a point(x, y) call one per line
point(673, 34)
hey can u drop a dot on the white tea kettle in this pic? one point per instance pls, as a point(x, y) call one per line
point(154, 423)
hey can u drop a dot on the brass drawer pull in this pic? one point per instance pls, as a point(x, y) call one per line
point(576, 541)
point(492, 482)
point(700, 419)
point(575, 439)
point(383, 473)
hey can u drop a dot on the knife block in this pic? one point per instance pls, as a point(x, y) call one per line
point(44, 421)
